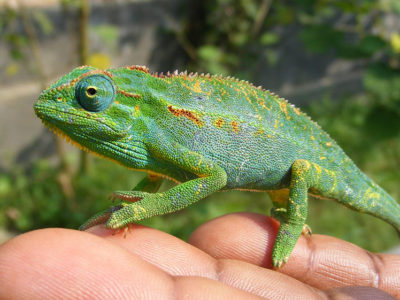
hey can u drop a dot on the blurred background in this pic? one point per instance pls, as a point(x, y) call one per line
point(337, 60)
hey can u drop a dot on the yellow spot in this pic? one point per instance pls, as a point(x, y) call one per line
point(328, 144)
point(196, 87)
point(395, 42)
point(334, 183)
point(259, 131)
point(322, 158)
point(235, 126)
point(116, 102)
point(296, 110)
point(312, 137)
point(137, 107)
point(276, 124)
point(317, 168)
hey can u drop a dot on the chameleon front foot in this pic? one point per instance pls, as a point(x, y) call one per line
point(100, 218)
point(109, 216)
point(142, 208)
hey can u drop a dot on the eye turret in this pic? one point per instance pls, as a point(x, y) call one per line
point(95, 92)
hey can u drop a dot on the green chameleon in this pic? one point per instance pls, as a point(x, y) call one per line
point(207, 133)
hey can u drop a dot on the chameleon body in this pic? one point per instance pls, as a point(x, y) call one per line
point(207, 133)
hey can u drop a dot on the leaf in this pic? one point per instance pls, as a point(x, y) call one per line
point(366, 47)
point(390, 6)
point(320, 38)
point(269, 38)
point(209, 52)
point(395, 42)
point(108, 34)
point(99, 60)
point(11, 70)
point(384, 83)
point(44, 22)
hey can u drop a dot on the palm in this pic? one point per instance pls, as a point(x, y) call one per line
point(226, 257)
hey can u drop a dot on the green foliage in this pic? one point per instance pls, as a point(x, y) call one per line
point(383, 82)
point(320, 38)
point(108, 34)
point(236, 35)
point(43, 21)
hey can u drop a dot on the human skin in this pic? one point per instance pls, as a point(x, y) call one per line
point(225, 258)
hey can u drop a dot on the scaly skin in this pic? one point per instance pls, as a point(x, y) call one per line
point(207, 133)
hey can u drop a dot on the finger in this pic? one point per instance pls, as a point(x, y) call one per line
point(67, 264)
point(60, 264)
point(358, 293)
point(163, 250)
point(321, 261)
point(179, 258)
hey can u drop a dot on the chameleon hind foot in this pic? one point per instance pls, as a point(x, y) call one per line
point(280, 214)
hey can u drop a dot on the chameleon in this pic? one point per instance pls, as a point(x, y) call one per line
point(207, 133)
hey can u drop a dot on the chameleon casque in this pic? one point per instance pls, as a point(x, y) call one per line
point(207, 133)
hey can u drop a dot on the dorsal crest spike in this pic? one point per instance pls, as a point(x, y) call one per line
point(139, 68)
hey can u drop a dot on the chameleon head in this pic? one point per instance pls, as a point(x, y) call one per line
point(86, 108)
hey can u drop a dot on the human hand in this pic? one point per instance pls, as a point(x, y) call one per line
point(226, 258)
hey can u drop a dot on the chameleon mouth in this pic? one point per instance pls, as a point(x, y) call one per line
point(57, 131)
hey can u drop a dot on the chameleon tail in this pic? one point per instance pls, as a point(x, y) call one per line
point(373, 200)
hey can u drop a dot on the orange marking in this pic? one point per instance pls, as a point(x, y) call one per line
point(74, 81)
point(283, 108)
point(219, 123)
point(235, 126)
point(296, 110)
point(125, 93)
point(137, 107)
point(139, 68)
point(328, 144)
point(185, 113)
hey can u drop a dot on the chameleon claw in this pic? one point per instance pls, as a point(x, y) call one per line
point(126, 230)
point(131, 196)
point(307, 232)
point(279, 263)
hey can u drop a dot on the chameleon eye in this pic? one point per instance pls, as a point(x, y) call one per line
point(95, 92)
